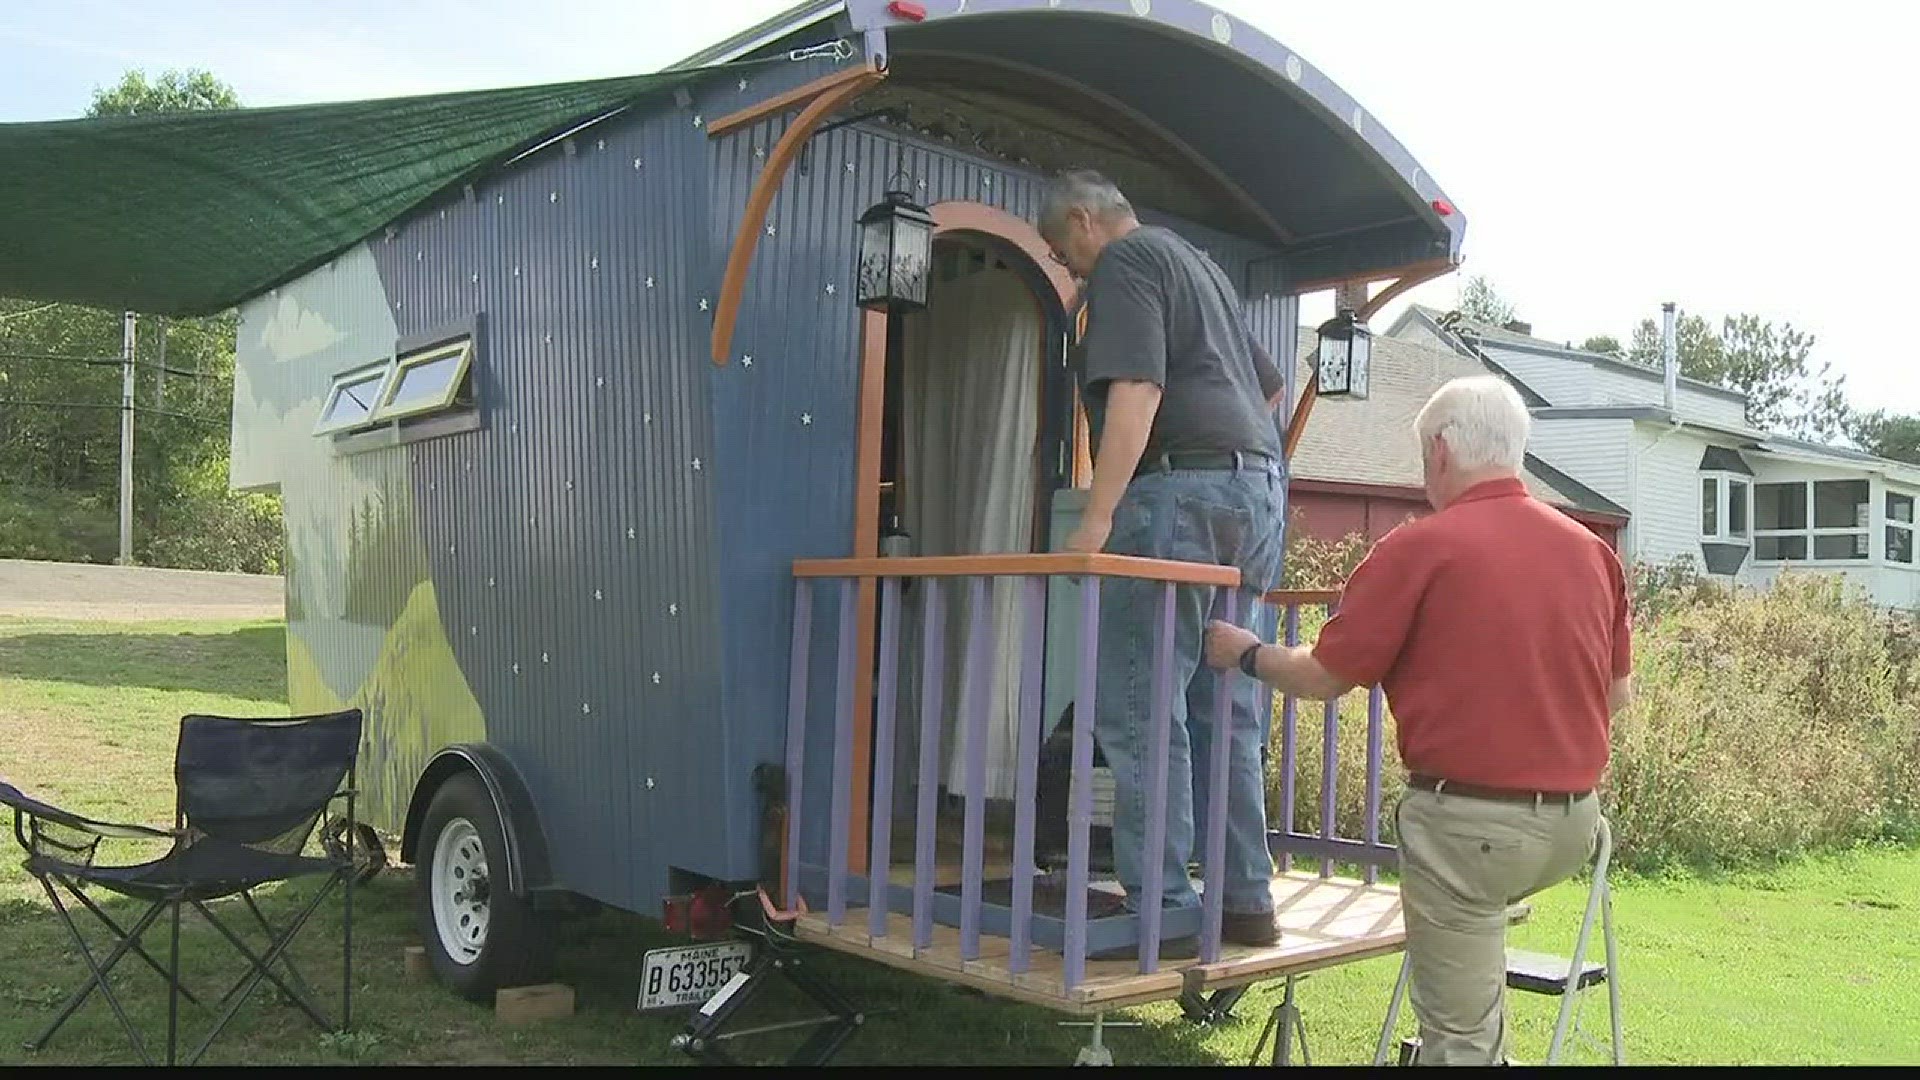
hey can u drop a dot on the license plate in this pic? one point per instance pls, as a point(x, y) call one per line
point(689, 974)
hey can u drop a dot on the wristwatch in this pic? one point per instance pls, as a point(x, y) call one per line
point(1249, 660)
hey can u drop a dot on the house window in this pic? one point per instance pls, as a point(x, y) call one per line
point(1826, 520)
point(1899, 528)
point(1723, 507)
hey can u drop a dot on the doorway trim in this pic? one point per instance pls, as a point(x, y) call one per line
point(949, 218)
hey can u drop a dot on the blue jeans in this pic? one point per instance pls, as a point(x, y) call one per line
point(1224, 517)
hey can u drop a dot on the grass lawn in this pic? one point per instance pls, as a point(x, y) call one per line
point(1809, 964)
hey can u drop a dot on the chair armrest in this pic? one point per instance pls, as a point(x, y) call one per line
point(21, 803)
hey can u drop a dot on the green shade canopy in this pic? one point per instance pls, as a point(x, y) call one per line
point(190, 213)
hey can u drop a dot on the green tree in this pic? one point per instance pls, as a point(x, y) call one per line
point(1604, 344)
point(191, 90)
point(1482, 303)
point(1890, 435)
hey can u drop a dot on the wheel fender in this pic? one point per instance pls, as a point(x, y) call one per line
point(528, 866)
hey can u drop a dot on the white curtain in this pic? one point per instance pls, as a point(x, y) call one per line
point(970, 423)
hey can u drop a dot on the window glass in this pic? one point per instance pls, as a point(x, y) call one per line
point(1840, 504)
point(1780, 506)
point(1778, 548)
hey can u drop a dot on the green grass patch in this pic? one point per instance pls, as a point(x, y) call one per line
point(1802, 964)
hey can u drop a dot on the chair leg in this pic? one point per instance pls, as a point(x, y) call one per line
point(158, 969)
point(173, 988)
point(1393, 1012)
point(99, 972)
point(263, 968)
point(292, 971)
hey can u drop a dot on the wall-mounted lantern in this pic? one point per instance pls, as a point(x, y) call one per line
point(1346, 347)
point(896, 255)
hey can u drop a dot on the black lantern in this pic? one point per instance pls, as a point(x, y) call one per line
point(1346, 346)
point(896, 255)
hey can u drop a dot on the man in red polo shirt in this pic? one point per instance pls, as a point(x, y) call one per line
point(1498, 627)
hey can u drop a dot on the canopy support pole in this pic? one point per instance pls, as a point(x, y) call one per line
point(836, 91)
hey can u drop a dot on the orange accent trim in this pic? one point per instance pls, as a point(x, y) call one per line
point(786, 101)
point(973, 217)
point(1410, 276)
point(733, 283)
point(1431, 267)
point(1048, 564)
point(1289, 597)
point(866, 544)
point(1082, 445)
point(1082, 429)
point(1410, 280)
point(1297, 423)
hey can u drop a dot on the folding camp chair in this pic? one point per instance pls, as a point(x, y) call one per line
point(249, 794)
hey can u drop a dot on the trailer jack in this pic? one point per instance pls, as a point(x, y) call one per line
point(707, 1035)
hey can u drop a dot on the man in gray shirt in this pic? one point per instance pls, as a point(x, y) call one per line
point(1187, 466)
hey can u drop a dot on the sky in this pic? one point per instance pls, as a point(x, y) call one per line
point(1727, 155)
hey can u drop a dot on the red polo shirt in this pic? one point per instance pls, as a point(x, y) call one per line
point(1496, 627)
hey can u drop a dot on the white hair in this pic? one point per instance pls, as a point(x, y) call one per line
point(1083, 188)
point(1483, 421)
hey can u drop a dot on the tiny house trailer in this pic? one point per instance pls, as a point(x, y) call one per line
point(587, 451)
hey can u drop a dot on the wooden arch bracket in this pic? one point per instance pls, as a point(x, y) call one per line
point(823, 97)
point(1411, 276)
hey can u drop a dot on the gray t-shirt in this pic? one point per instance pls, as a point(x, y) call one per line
point(1159, 310)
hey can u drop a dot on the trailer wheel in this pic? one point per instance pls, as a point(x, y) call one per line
point(479, 936)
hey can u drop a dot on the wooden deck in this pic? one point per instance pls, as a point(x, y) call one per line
point(1324, 922)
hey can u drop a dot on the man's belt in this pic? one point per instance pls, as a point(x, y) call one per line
point(1498, 794)
point(1204, 459)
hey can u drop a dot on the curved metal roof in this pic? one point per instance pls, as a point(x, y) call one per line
point(1322, 178)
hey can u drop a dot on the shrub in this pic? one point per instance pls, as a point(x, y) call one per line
point(1765, 724)
point(1320, 564)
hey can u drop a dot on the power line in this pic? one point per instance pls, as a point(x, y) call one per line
point(208, 420)
point(97, 361)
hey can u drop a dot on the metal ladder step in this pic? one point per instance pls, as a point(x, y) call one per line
point(1542, 973)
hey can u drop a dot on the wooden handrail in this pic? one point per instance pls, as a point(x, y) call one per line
point(1040, 565)
point(1290, 597)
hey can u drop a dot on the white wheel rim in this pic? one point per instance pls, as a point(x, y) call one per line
point(461, 891)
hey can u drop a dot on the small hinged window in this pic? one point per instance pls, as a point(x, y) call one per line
point(353, 397)
point(426, 381)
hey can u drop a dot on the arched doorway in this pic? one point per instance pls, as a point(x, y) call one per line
point(967, 429)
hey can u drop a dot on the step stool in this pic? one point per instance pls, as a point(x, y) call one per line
point(1539, 973)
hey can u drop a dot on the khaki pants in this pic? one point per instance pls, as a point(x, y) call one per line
point(1463, 861)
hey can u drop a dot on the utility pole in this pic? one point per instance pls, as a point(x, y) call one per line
point(126, 438)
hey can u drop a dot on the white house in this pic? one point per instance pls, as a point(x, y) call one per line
point(1695, 479)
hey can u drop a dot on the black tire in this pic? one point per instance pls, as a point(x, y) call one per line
point(519, 942)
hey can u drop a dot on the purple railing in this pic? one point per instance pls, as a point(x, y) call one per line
point(1072, 933)
point(1287, 841)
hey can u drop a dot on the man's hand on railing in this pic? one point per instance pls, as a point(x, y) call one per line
point(1227, 643)
point(1290, 669)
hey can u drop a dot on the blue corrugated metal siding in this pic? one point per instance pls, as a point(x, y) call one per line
point(788, 485)
point(570, 539)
